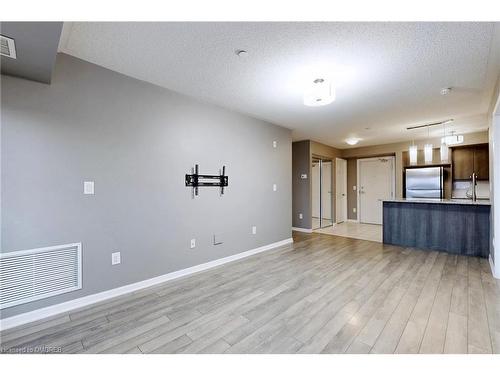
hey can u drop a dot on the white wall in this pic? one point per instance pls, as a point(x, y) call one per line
point(495, 191)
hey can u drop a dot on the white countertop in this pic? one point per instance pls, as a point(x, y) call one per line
point(480, 202)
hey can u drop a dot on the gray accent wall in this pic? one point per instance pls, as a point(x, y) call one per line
point(136, 141)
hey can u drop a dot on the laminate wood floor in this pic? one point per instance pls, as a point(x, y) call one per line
point(323, 294)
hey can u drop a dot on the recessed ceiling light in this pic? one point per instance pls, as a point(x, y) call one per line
point(352, 141)
point(319, 93)
point(241, 53)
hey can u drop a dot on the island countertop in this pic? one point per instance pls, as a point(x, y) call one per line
point(479, 202)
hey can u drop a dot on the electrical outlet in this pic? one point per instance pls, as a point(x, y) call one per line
point(193, 243)
point(301, 216)
point(275, 144)
point(354, 209)
point(254, 230)
point(88, 187)
point(275, 187)
point(116, 258)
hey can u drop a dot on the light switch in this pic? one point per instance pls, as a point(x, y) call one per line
point(88, 187)
point(254, 230)
point(354, 187)
point(275, 188)
point(354, 209)
point(193, 243)
point(116, 258)
point(303, 176)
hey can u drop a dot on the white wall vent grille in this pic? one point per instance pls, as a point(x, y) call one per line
point(30, 275)
point(7, 47)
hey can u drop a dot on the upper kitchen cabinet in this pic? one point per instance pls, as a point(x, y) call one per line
point(469, 159)
point(481, 162)
point(463, 162)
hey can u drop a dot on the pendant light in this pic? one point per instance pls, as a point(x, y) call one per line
point(428, 151)
point(413, 153)
point(443, 150)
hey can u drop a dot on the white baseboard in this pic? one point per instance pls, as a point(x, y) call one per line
point(353, 220)
point(305, 230)
point(60, 308)
point(495, 274)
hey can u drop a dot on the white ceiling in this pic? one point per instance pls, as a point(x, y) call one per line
point(388, 75)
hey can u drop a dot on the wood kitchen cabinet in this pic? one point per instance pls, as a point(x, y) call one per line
point(470, 159)
point(463, 163)
point(481, 162)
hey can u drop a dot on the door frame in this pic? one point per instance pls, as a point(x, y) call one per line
point(344, 182)
point(393, 182)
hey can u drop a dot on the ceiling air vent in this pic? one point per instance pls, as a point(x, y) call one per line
point(8, 47)
point(30, 275)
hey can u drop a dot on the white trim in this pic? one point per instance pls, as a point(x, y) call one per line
point(493, 270)
point(353, 220)
point(393, 193)
point(48, 311)
point(305, 230)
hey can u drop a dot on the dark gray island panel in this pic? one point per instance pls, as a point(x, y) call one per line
point(453, 228)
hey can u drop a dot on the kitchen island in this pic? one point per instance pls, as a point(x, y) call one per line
point(454, 226)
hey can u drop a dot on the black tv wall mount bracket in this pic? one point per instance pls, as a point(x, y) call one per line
point(196, 180)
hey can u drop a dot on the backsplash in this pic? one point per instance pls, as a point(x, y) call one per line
point(460, 189)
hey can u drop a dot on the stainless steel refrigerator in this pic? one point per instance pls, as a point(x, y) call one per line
point(424, 182)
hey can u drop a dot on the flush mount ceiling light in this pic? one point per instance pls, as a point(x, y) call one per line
point(319, 93)
point(445, 91)
point(352, 141)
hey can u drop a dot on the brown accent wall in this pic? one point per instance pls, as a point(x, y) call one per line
point(352, 170)
point(301, 188)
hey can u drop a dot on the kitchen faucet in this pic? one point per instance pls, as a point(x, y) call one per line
point(474, 182)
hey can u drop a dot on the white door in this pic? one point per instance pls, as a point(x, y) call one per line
point(341, 185)
point(375, 183)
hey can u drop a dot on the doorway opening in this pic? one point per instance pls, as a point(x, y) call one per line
point(321, 179)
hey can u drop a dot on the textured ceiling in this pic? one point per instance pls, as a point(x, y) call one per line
point(387, 75)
